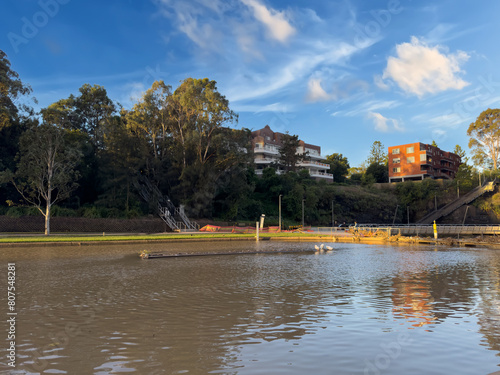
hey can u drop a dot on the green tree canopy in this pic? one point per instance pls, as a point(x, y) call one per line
point(484, 140)
point(378, 154)
point(11, 88)
point(149, 117)
point(89, 112)
point(288, 152)
point(461, 152)
point(339, 166)
point(379, 172)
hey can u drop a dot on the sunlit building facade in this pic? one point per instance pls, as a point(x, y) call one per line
point(416, 161)
point(266, 146)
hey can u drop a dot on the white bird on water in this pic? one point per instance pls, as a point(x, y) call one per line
point(329, 248)
point(320, 248)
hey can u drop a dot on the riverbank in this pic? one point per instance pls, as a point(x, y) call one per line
point(33, 240)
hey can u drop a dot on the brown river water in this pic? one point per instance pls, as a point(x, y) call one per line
point(360, 309)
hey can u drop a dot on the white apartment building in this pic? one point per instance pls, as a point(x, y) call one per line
point(266, 146)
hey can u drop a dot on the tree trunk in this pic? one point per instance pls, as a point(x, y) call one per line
point(47, 220)
point(47, 208)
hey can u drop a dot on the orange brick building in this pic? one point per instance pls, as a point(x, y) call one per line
point(416, 161)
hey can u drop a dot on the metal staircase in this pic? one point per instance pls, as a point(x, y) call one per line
point(187, 222)
point(466, 199)
point(174, 217)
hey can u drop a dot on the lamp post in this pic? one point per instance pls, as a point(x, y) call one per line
point(303, 200)
point(279, 198)
point(333, 217)
point(262, 217)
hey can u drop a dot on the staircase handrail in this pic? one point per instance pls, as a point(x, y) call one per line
point(189, 224)
point(452, 206)
point(167, 217)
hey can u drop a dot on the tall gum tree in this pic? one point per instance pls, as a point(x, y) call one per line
point(484, 140)
point(46, 170)
point(198, 111)
point(11, 88)
point(149, 119)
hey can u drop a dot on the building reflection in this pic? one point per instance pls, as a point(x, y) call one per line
point(412, 299)
point(489, 317)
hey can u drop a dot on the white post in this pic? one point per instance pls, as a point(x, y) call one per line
point(280, 213)
point(257, 231)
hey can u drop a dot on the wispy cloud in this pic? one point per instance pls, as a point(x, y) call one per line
point(315, 92)
point(366, 107)
point(291, 68)
point(255, 108)
point(275, 21)
point(445, 32)
point(420, 69)
point(194, 19)
point(384, 124)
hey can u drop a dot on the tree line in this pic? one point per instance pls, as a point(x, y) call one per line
point(84, 154)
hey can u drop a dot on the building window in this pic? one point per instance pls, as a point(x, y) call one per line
point(410, 150)
point(396, 161)
point(423, 157)
point(396, 170)
point(410, 159)
point(395, 151)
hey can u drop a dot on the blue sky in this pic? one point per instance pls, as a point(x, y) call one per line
point(340, 74)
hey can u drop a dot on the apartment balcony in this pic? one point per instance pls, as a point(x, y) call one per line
point(313, 155)
point(313, 164)
point(445, 157)
point(266, 149)
point(319, 174)
point(264, 161)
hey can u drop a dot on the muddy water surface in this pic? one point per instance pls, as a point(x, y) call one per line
point(361, 309)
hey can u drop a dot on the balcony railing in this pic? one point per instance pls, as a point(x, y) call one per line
point(321, 174)
point(314, 155)
point(311, 163)
point(266, 149)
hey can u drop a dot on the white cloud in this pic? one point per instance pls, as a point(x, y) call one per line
point(420, 69)
point(315, 92)
point(379, 82)
point(341, 89)
point(365, 108)
point(276, 22)
point(299, 66)
point(255, 108)
point(193, 20)
point(384, 124)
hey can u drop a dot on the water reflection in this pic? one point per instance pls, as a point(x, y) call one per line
point(103, 310)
